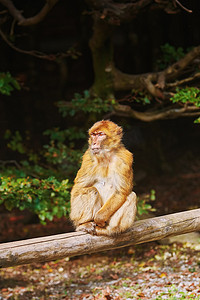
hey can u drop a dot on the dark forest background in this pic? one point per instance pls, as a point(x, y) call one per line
point(53, 59)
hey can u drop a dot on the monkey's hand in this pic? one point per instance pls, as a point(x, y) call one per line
point(88, 227)
point(99, 219)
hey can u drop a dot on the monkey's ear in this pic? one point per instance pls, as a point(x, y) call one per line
point(119, 131)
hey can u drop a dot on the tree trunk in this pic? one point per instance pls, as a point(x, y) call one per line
point(102, 54)
point(78, 243)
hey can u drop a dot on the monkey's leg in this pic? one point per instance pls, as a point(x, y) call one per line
point(122, 219)
point(84, 205)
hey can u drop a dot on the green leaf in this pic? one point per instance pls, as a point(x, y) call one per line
point(8, 83)
point(189, 96)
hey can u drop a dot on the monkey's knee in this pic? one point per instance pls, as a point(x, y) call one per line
point(130, 208)
point(130, 205)
point(124, 217)
point(132, 198)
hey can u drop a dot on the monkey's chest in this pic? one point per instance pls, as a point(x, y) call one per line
point(105, 188)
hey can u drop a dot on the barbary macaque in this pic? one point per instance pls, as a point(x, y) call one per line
point(102, 201)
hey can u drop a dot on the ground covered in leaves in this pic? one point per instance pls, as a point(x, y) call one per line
point(147, 271)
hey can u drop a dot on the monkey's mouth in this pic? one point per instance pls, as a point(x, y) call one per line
point(96, 150)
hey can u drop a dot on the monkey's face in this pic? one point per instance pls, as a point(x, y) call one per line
point(104, 137)
point(96, 141)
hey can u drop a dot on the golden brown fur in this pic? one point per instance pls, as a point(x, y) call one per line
point(102, 201)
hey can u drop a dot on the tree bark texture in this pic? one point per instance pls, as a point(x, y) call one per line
point(79, 243)
point(102, 55)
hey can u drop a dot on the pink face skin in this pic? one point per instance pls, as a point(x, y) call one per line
point(97, 137)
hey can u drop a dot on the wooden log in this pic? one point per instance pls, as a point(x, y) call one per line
point(78, 243)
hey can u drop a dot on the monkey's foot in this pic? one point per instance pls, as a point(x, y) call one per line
point(89, 227)
point(102, 231)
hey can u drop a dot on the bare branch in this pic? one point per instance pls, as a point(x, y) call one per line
point(32, 52)
point(149, 116)
point(12, 10)
point(36, 53)
point(41, 15)
point(155, 82)
point(32, 20)
point(183, 7)
point(12, 162)
point(177, 68)
point(183, 81)
point(153, 90)
point(126, 11)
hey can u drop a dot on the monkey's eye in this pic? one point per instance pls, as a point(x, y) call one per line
point(101, 133)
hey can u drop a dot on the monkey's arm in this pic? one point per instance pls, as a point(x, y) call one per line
point(85, 176)
point(123, 176)
point(108, 209)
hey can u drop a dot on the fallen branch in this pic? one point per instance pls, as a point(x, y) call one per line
point(77, 243)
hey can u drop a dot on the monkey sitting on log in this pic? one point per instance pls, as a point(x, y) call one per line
point(102, 200)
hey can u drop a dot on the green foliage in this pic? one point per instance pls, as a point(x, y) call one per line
point(144, 207)
point(189, 95)
point(72, 133)
point(145, 100)
point(61, 148)
point(87, 104)
point(140, 97)
point(169, 55)
point(197, 121)
point(38, 183)
point(8, 83)
point(58, 158)
point(16, 141)
point(45, 197)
